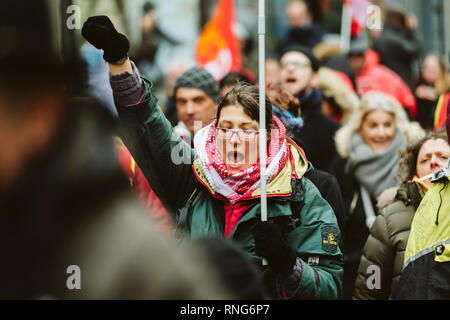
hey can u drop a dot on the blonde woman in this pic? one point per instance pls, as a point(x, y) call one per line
point(368, 146)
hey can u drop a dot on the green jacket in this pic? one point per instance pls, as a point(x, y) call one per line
point(170, 166)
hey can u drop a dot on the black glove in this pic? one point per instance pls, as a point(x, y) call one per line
point(100, 32)
point(269, 244)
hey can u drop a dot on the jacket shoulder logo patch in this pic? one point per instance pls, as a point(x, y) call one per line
point(329, 239)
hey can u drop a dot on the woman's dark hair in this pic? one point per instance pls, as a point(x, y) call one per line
point(409, 156)
point(234, 78)
point(247, 97)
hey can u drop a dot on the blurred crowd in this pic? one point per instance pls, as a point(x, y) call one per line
point(148, 180)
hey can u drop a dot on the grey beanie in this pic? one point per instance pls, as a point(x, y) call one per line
point(199, 78)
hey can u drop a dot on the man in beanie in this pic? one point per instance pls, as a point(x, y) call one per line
point(299, 77)
point(196, 93)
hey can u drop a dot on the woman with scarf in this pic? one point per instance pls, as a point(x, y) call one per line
point(389, 235)
point(368, 146)
point(214, 189)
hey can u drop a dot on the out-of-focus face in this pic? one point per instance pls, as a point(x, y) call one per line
point(239, 149)
point(296, 72)
point(378, 130)
point(24, 134)
point(273, 71)
point(297, 14)
point(172, 75)
point(432, 157)
point(357, 62)
point(194, 106)
point(148, 21)
point(431, 70)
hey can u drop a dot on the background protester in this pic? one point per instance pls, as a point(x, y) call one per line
point(370, 75)
point(145, 54)
point(196, 93)
point(303, 30)
point(368, 147)
point(173, 70)
point(398, 45)
point(299, 77)
point(434, 80)
point(339, 101)
point(333, 57)
point(385, 247)
point(231, 80)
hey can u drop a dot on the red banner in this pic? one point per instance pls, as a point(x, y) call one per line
point(218, 49)
point(359, 15)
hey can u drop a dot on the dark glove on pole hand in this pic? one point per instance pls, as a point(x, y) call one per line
point(100, 32)
point(269, 244)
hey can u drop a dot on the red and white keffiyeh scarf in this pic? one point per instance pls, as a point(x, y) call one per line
point(242, 184)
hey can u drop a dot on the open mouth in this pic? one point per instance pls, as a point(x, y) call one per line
point(291, 80)
point(235, 157)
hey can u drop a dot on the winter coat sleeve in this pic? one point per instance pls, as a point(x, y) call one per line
point(377, 258)
point(161, 154)
point(316, 240)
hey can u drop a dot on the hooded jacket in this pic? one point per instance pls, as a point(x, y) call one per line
point(426, 269)
point(377, 77)
point(171, 167)
point(386, 244)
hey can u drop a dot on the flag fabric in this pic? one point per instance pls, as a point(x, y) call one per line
point(359, 15)
point(218, 48)
point(440, 114)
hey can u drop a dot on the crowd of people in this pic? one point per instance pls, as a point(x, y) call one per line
point(161, 200)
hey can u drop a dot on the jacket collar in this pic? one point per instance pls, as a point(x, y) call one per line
point(280, 186)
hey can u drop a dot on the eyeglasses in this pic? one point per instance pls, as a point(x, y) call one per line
point(296, 65)
point(243, 135)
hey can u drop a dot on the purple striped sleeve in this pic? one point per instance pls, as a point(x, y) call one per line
point(290, 282)
point(127, 87)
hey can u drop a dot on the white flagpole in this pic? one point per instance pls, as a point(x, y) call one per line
point(262, 110)
point(346, 25)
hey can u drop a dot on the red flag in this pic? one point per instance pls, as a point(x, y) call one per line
point(218, 49)
point(441, 112)
point(359, 15)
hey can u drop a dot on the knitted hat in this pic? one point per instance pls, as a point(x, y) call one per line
point(198, 78)
point(315, 63)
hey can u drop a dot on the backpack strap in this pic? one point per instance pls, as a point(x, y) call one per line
point(183, 213)
point(297, 198)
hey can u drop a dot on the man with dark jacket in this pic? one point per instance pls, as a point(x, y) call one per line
point(398, 45)
point(299, 77)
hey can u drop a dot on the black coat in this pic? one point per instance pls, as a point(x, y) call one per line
point(398, 48)
point(329, 189)
point(356, 231)
point(317, 134)
point(425, 108)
